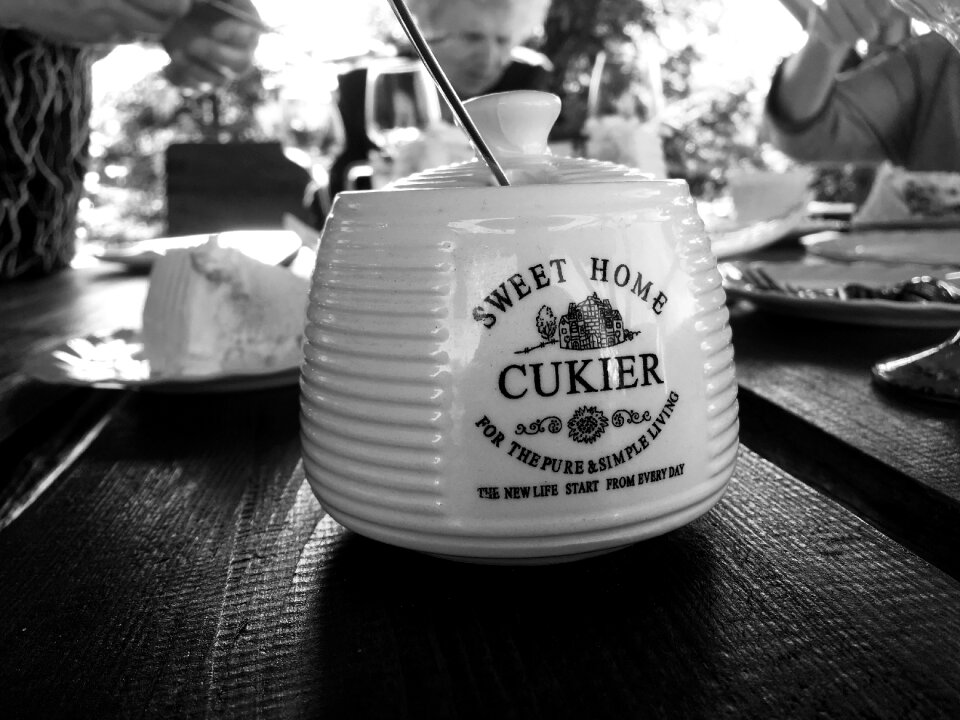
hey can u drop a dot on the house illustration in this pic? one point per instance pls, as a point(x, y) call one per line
point(594, 323)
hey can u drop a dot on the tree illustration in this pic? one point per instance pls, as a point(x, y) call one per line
point(546, 323)
point(546, 326)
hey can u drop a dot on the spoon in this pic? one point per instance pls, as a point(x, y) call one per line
point(931, 374)
point(446, 89)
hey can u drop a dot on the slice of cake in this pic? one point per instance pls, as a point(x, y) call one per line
point(211, 309)
point(899, 196)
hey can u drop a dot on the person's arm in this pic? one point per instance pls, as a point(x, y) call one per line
point(870, 112)
point(807, 77)
point(90, 22)
point(806, 80)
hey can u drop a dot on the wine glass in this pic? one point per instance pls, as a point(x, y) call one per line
point(400, 105)
point(316, 129)
point(624, 103)
point(940, 15)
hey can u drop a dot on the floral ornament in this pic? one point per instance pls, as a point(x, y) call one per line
point(620, 417)
point(551, 424)
point(587, 424)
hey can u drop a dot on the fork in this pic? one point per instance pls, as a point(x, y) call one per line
point(758, 278)
point(923, 288)
point(918, 289)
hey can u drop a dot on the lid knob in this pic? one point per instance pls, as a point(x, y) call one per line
point(515, 122)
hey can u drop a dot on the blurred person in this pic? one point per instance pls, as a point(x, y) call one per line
point(46, 51)
point(477, 42)
point(901, 105)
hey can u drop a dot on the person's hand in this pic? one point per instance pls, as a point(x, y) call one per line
point(208, 46)
point(840, 24)
point(91, 22)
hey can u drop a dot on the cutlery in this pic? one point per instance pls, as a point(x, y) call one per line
point(930, 374)
point(918, 289)
point(753, 276)
point(924, 288)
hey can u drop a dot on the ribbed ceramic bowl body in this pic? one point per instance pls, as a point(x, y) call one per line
point(523, 374)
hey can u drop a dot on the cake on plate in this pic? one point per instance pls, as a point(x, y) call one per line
point(212, 310)
point(900, 196)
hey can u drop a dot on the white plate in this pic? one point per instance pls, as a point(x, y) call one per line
point(947, 222)
point(273, 247)
point(821, 275)
point(728, 237)
point(920, 246)
point(116, 361)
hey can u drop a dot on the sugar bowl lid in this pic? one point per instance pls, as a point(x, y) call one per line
point(516, 125)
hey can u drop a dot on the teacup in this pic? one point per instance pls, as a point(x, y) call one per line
point(521, 374)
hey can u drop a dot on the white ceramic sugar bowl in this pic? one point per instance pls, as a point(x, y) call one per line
point(522, 374)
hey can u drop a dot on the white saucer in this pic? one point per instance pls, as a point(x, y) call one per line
point(272, 247)
point(115, 361)
point(923, 246)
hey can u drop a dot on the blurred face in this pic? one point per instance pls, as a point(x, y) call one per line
point(472, 45)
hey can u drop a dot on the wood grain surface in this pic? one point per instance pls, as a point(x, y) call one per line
point(166, 558)
point(808, 403)
point(184, 568)
point(42, 425)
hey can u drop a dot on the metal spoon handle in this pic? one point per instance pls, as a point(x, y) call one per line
point(446, 89)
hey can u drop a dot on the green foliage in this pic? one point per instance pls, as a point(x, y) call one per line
point(844, 183)
point(704, 132)
point(574, 32)
point(131, 131)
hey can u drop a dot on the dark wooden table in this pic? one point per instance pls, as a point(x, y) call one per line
point(162, 556)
